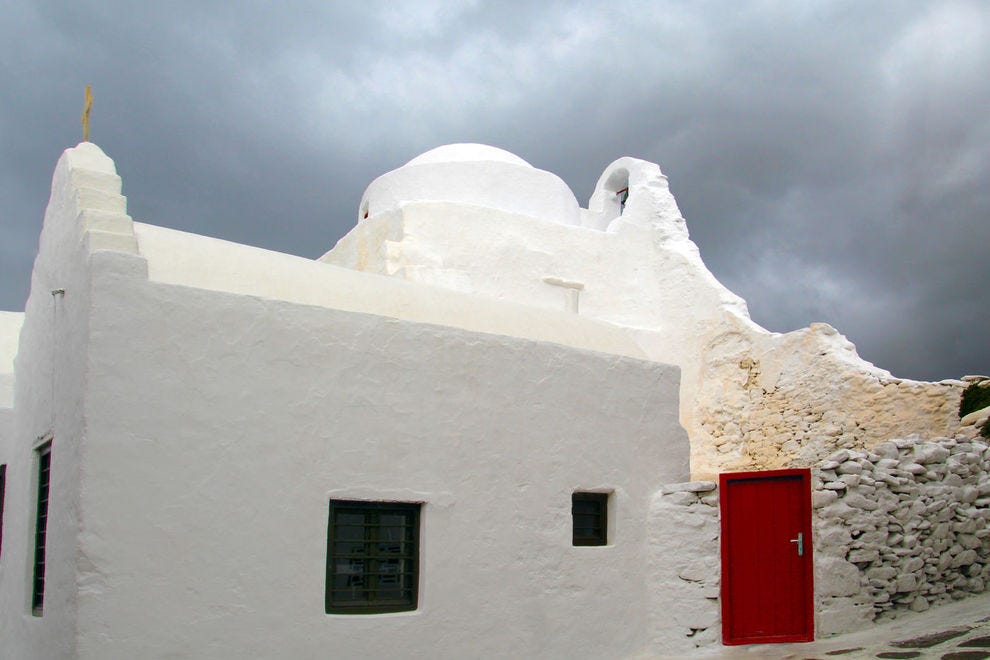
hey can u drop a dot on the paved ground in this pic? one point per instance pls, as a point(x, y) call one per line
point(958, 631)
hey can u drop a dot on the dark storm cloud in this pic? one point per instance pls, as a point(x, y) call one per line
point(831, 158)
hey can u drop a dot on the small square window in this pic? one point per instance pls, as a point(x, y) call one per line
point(372, 557)
point(590, 514)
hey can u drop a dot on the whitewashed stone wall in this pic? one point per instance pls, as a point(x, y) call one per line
point(903, 526)
point(684, 535)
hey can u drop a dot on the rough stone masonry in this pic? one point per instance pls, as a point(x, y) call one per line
point(901, 526)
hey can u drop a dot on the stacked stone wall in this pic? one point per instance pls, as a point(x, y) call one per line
point(900, 527)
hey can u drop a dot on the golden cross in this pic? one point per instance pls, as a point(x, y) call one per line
point(87, 106)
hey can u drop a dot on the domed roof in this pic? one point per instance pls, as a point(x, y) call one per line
point(467, 152)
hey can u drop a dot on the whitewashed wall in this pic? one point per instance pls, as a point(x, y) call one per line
point(220, 426)
point(752, 399)
point(84, 212)
point(199, 436)
point(10, 332)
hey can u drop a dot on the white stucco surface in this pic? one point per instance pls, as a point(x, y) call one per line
point(751, 399)
point(477, 175)
point(10, 332)
point(478, 344)
point(485, 430)
point(86, 216)
point(467, 152)
point(197, 261)
point(205, 401)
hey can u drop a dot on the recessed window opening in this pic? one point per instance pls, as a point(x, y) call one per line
point(3, 490)
point(623, 195)
point(589, 512)
point(41, 529)
point(372, 557)
point(618, 185)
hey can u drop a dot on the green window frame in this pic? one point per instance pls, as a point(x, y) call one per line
point(44, 454)
point(589, 514)
point(372, 557)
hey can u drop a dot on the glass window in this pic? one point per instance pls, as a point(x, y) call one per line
point(372, 557)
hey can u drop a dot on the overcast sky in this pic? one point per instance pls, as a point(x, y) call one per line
point(832, 158)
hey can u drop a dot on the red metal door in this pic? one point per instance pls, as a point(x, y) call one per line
point(767, 569)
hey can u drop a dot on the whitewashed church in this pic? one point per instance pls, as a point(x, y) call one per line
point(488, 423)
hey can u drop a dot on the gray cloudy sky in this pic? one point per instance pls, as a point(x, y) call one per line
point(832, 158)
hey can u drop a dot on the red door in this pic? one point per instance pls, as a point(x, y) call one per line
point(767, 570)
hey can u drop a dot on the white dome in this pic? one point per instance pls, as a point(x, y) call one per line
point(467, 153)
point(474, 175)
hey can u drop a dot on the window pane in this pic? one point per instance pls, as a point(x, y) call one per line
point(349, 532)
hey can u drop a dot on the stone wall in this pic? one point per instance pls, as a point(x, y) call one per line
point(902, 526)
point(684, 540)
point(792, 400)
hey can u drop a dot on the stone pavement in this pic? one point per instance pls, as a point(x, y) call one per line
point(957, 631)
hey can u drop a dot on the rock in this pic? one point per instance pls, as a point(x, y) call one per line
point(836, 577)
point(976, 418)
point(887, 450)
point(930, 453)
point(906, 582)
point(863, 555)
point(860, 502)
point(969, 494)
point(883, 573)
point(710, 499)
point(681, 498)
point(850, 479)
point(849, 467)
point(963, 558)
point(820, 498)
point(690, 487)
point(834, 537)
point(840, 456)
point(919, 604)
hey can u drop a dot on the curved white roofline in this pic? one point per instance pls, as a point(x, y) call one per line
point(474, 175)
point(467, 152)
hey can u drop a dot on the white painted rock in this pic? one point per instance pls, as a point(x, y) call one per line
point(976, 418)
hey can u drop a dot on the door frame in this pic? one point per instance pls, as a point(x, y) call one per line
point(809, 566)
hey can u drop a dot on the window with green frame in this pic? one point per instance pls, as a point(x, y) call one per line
point(372, 557)
point(44, 454)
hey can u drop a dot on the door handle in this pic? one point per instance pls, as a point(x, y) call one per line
point(800, 542)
